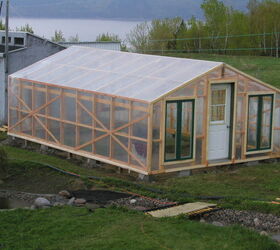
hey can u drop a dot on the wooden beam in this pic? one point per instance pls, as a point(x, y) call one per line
point(83, 90)
point(150, 139)
point(112, 124)
point(92, 141)
point(134, 168)
point(93, 116)
point(31, 113)
point(129, 152)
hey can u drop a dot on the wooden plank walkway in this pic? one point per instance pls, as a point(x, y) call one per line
point(181, 209)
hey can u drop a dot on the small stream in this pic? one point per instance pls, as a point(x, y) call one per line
point(12, 203)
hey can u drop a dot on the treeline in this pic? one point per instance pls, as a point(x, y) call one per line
point(224, 30)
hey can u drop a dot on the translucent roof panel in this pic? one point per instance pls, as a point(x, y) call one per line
point(131, 75)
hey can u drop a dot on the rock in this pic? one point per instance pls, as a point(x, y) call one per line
point(44, 207)
point(140, 208)
point(261, 222)
point(257, 222)
point(65, 193)
point(132, 201)
point(276, 237)
point(58, 204)
point(202, 220)
point(91, 206)
point(80, 201)
point(42, 202)
point(264, 233)
point(71, 201)
point(217, 223)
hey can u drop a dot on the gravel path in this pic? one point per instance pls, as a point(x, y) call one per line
point(29, 197)
point(141, 203)
point(258, 221)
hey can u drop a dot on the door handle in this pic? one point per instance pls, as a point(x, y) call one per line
point(228, 126)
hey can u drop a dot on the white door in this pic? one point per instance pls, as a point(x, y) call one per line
point(220, 120)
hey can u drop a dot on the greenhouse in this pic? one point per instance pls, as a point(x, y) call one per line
point(145, 113)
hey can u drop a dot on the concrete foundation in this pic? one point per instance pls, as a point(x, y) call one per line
point(44, 148)
point(252, 163)
point(184, 173)
point(143, 177)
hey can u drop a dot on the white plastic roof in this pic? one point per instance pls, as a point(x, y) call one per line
point(137, 76)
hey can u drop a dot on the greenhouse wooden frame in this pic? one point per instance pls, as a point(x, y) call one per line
point(121, 123)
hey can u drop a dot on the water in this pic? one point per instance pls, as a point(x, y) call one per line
point(86, 29)
point(12, 203)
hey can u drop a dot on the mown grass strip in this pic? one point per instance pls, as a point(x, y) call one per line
point(113, 228)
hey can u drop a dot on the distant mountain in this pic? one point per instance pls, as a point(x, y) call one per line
point(112, 9)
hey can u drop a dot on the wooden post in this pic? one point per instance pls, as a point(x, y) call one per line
point(112, 110)
point(129, 130)
point(77, 141)
point(162, 135)
point(62, 117)
point(205, 125)
point(94, 111)
point(33, 108)
point(150, 139)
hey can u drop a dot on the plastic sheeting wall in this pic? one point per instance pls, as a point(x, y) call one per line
point(95, 124)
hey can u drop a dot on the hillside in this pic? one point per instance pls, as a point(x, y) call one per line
point(262, 67)
point(112, 9)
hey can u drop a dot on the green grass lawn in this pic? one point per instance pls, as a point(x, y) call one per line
point(112, 228)
point(264, 68)
point(259, 181)
point(238, 185)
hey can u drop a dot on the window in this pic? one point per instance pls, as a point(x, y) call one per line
point(218, 105)
point(19, 40)
point(179, 130)
point(4, 39)
point(259, 131)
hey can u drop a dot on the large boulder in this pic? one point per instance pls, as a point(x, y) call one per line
point(42, 202)
point(80, 202)
point(71, 201)
point(65, 193)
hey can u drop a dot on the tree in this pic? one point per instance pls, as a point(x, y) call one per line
point(139, 37)
point(163, 33)
point(74, 39)
point(26, 28)
point(270, 10)
point(2, 25)
point(239, 24)
point(252, 6)
point(182, 33)
point(216, 15)
point(106, 37)
point(264, 18)
point(194, 31)
point(58, 36)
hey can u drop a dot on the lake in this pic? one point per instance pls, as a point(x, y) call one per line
point(87, 29)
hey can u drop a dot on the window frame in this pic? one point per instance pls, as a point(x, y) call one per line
point(17, 39)
point(259, 124)
point(218, 122)
point(179, 158)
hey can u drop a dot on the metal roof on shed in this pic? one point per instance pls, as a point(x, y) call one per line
point(137, 76)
